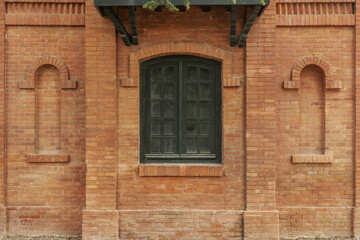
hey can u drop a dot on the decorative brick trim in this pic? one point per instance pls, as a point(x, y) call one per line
point(316, 20)
point(309, 1)
point(49, 13)
point(181, 170)
point(333, 84)
point(294, 83)
point(312, 158)
point(30, 76)
point(49, 7)
point(291, 84)
point(128, 82)
point(46, 1)
point(44, 20)
point(202, 50)
point(47, 158)
point(315, 13)
point(232, 82)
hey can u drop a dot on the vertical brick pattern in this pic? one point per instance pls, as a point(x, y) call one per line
point(356, 219)
point(261, 130)
point(101, 110)
point(101, 145)
point(2, 121)
point(260, 113)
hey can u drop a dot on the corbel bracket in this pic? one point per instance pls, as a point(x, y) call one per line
point(109, 11)
point(249, 22)
point(233, 17)
point(134, 34)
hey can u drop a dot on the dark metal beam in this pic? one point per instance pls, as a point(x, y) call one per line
point(233, 17)
point(262, 10)
point(109, 11)
point(179, 2)
point(134, 34)
point(206, 8)
point(100, 10)
point(105, 7)
point(249, 22)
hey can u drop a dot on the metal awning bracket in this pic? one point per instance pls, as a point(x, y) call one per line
point(249, 22)
point(110, 12)
point(134, 34)
point(233, 17)
point(105, 8)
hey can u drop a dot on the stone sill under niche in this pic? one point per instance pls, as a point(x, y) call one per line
point(47, 158)
point(312, 158)
point(181, 170)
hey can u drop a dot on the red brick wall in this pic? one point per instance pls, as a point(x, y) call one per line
point(2, 124)
point(315, 199)
point(311, 136)
point(180, 224)
point(207, 193)
point(266, 187)
point(48, 109)
point(45, 198)
point(356, 216)
point(184, 194)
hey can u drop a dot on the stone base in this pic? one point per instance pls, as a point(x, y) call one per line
point(3, 213)
point(43, 237)
point(356, 223)
point(99, 224)
point(261, 225)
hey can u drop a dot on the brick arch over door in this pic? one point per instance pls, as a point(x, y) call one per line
point(201, 50)
point(30, 76)
point(330, 83)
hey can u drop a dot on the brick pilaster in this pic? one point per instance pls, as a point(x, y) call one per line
point(261, 220)
point(100, 53)
point(2, 122)
point(356, 214)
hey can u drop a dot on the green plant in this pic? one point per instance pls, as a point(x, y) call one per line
point(153, 4)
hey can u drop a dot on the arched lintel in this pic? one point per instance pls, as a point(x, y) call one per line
point(196, 49)
point(30, 76)
point(294, 83)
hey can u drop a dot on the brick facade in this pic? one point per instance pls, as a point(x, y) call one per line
point(70, 123)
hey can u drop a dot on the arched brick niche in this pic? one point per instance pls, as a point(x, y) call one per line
point(32, 81)
point(294, 83)
point(29, 82)
point(201, 50)
point(312, 76)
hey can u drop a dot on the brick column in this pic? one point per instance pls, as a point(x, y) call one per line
point(261, 220)
point(100, 219)
point(2, 122)
point(356, 214)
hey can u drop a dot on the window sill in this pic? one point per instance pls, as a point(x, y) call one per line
point(47, 158)
point(181, 170)
point(312, 158)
